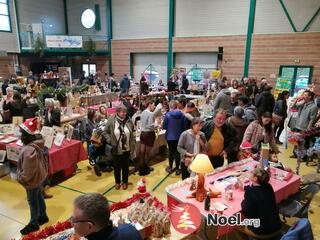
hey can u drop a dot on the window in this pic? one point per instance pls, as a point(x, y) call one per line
point(300, 77)
point(88, 18)
point(89, 68)
point(4, 16)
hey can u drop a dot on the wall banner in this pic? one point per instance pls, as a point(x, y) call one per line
point(62, 41)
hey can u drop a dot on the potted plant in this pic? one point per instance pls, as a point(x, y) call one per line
point(38, 46)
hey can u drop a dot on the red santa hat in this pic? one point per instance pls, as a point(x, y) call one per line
point(30, 126)
point(246, 145)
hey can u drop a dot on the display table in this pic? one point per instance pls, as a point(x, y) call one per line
point(158, 143)
point(177, 193)
point(109, 110)
point(73, 117)
point(191, 96)
point(97, 99)
point(60, 158)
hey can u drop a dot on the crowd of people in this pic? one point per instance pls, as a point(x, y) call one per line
point(244, 114)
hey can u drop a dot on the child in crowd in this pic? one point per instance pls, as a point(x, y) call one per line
point(274, 162)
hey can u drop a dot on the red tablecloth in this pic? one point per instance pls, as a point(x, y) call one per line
point(282, 189)
point(64, 157)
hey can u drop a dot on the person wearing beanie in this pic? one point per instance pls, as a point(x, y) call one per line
point(238, 122)
point(32, 171)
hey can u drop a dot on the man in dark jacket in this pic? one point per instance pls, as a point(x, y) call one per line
point(185, 84)
point(265, 101)
point(91, 219)
point(125, 85)
point(174, 123)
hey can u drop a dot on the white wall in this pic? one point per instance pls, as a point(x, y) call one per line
point(271, 18)
point(75, 9)
point(211, 17)
point(203, 60)
point(9, 40)
point(302, 11)
point(48, 12)
point(133, 19)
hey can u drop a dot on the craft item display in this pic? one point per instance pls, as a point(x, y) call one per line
point(59, 139)
point(200, 192)
point(6, 129)
point(143, 211)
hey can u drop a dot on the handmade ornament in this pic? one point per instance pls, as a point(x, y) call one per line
point(142, 188)
point(200, 193)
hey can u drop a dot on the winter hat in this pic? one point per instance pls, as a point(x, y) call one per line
point(238, 111)
point(30, 126)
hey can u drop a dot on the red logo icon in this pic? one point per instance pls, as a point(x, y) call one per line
point(185, 218)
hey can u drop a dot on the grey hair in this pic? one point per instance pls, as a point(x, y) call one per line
point(121, 107)
point(49, 102)
point(95, 208)
point(9, 89)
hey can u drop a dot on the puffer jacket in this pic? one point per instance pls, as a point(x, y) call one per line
point(32, 167)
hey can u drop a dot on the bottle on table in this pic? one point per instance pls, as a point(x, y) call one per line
point(207, 202)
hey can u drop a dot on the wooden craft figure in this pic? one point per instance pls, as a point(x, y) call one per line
point(200, 193)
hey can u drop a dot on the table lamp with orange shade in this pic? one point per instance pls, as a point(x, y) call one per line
point(201, 165)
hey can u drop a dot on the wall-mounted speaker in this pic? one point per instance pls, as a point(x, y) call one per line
point(220, 53)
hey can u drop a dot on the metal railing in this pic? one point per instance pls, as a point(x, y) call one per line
point(28, 38)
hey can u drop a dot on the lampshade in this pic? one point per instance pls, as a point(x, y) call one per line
point(201, 164)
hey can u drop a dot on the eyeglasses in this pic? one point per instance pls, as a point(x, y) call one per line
point(74, 221)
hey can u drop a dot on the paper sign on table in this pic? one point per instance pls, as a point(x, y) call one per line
point(6, 129)
point(8, 139)
point(3, 154)
point(48, 135)
point(59, 139)
point(46, 131)
point(13, 153)
point(57, 129)
point(48, 141)
point(70, 132)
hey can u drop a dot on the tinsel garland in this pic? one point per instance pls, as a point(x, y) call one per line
point(59, 227)
point(48, 231)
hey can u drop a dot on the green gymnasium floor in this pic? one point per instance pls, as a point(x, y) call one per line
point(14, 211)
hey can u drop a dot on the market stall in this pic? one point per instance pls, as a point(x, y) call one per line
point(283, 183)
point(61, 158)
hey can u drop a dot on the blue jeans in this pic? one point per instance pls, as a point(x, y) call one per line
point(37, 204)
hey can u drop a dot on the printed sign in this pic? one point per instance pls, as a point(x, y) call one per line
point(281, 85)
point(62, 41)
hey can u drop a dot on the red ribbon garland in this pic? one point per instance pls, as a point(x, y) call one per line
point(59, 227)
